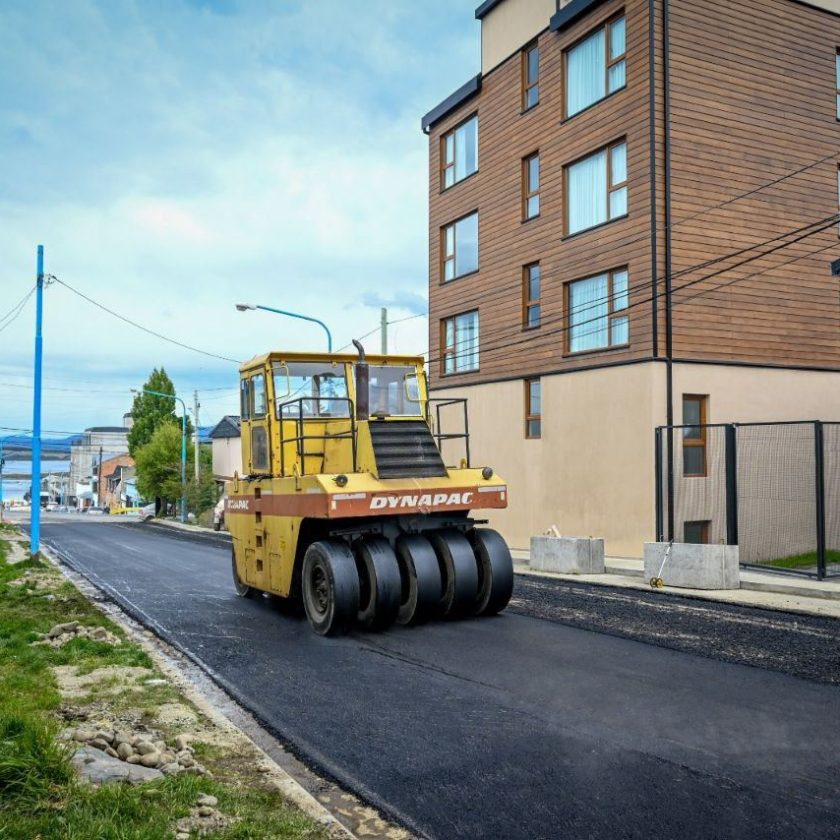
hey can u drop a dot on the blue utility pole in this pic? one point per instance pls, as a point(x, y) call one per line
point(35, 527)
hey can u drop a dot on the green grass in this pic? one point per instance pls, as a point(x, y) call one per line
point(798, 561)
point(39, 794)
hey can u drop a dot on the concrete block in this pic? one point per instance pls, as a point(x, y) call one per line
point(568, 555)
point(694, 566)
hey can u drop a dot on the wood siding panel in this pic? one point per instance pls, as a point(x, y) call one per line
point(752, 99)
point(506, 243)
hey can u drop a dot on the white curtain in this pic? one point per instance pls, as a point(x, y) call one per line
point(585, 73)
point(466, 337)
point(589, 314)
point(466, 245)
point(588, 192)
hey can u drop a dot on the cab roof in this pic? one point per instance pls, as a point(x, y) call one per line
point(339, 358)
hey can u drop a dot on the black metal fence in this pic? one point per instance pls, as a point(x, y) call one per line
point(772, 489)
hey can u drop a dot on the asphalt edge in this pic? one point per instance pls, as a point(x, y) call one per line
point(290, 788)
point(310, 756)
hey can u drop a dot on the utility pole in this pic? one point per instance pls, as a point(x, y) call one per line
point(383, 329)
point(197, 405)
point(99, 480)
point(35, 518)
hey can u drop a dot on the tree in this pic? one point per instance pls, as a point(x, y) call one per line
point(201, 495)
point(159, 463)
point(149, 411)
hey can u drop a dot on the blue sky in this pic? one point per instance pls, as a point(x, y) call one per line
point(178, 156)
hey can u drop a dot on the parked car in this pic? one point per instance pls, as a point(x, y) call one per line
point(219, 514)
point(147, 512)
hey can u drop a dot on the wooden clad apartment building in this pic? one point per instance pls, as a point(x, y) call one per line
point(632, 216)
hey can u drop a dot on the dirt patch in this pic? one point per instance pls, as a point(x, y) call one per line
point(16, 550)
point(175, 714)
point(111, 680)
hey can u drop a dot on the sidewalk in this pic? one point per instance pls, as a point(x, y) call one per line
point(758, 589)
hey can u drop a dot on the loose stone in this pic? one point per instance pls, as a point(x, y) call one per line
point(207, 799)
point(124, 750)
point(151, 759)
point(144, 747)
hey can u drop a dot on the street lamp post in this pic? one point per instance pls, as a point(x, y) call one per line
point(244, 307)
point(183, 445)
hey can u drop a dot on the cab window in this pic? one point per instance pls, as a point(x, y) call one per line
point(258, 395)
point(310, 389)
point(244, 399)
point(394, 391)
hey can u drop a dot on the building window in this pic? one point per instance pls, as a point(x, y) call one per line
point(596, 67)
point(596, 188)
point(459, 338)
point(530, 76)
point(531, 295)
point(696, 532)
point(598, 312)
point(459, 152)
point(530, 187)
point(837, 80)
point(533, 408)
point(694, 435)
point(459, 248)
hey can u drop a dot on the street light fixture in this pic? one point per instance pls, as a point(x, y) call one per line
point(183, 445)
point(244, 307)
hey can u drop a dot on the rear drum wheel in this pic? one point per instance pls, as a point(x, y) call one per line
point(420, 576)
point(379, 574)
point(242, 588)
point(459, 570)
point(495, 571)
point(330, 585)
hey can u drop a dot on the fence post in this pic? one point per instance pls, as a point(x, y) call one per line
point(657, 466)
point(731, 473)
point(820, 497)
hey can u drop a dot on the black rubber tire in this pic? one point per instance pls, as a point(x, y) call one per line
point(459, 571)
point(380, 585)
point(330, 587)
point(242, 588)
point(495, 571)
point(422, 585)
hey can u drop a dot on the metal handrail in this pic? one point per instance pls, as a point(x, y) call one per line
point(443, 402)
point(300, 438)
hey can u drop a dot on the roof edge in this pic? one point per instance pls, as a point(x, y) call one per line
point(459, 97)
point(485, 8)
point(570, 14)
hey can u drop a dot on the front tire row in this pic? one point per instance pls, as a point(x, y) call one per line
point(444, 574)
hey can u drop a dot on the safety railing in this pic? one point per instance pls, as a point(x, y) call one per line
point(293, 410)
point(440, 436)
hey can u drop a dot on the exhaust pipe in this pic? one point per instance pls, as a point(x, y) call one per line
point(362, 383)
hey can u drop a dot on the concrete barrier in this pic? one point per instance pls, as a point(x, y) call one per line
point(694, 566)
point(567, 555)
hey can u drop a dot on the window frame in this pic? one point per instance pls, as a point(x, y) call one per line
point(699, 442)
point(529, 417)
point(610, 187)
point(526, 84)
point(704, 525)
point(529, 303)
point(608, 63)
point(446, 351)
point(255, 415)
point(837, 84)
point(613, 314)
point(445, 165)
point(444, 257)
point(528, 192)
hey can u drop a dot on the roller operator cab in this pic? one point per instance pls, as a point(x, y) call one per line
point(348, 503)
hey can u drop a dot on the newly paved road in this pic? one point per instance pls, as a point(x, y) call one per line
point(520, 726)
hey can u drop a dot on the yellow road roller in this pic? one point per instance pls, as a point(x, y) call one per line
point(347, 502)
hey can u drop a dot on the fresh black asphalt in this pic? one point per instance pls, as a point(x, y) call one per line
point(520, 726)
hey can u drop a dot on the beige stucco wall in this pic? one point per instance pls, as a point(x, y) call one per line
point(510, 26)
point(591, 472)
point(828, 5)
point(227, 457)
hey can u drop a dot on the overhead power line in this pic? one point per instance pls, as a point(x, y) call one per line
point(14, 313)
point(143, 328)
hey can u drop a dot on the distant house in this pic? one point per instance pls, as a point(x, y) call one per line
point(107, 482)
point(227, 451)
point(95, 444)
